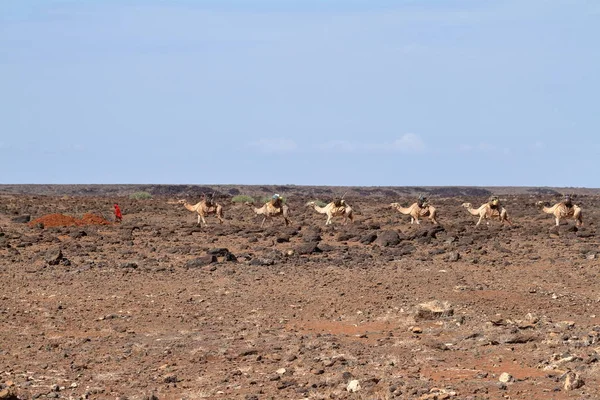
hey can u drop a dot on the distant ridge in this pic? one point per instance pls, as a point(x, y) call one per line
point(287, 190)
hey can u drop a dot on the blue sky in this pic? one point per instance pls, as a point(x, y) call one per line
point(308, 92)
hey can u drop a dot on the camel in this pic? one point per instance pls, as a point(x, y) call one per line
point(560, 211)
point(487, 212)
point(332, 211)
point(415, 212)
point(203, 209)
point(269, 211)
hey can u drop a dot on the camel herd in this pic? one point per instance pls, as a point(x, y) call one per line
point(487, 211)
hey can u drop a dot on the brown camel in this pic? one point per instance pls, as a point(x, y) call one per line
point(416, 212)
point(205, 208)
point(334, 211)
point(560, 211)
point(487, 212)
point(268, 210)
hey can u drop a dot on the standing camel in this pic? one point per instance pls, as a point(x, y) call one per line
point(415, 211)
point(268, 210)
point(334, 211)
point(487, 212)
point(560, 210)
point(204, 208)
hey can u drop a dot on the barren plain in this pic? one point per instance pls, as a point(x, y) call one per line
point(159, 308)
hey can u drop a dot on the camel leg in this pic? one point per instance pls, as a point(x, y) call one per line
point(199, 220)
point(263, 221)
point(480, 219)
point(557, 221)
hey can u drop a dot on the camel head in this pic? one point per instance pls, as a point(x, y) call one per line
point(181, 201)
point(394, 205)
point(466, 205)
point(541, 203)
point(310, 204)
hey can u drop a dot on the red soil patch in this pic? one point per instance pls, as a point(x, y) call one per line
point(56, 220)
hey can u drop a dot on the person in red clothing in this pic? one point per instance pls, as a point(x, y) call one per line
point(118, 215)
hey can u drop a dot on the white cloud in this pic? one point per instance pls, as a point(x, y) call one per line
point(277, 145)
point(407, 143)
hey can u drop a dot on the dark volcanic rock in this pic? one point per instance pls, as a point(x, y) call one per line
point(368, 238)
point(308, 248)
point(21, 219)
point(282, 238)
point(345, 236)
point(54, 256)
point(325, 247)
point(201, 261)
point(387, 238)
point(262, 261)
point(585, 233)
point(78, 234)
point(312, 235)
point(218, 251)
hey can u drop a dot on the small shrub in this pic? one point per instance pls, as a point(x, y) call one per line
point(320, 203)
point(140, 196)
point(242, 198)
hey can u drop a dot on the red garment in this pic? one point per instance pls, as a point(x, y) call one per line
point(118, 214)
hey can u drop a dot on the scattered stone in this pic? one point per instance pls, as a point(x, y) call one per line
point(312, 235)
point(505, 377)
point(21, 219)
point(201, 261)
point(433, 310)
point(308, 248)
point(218, 251)
point(54, 257)
point(573, 381)
point(262, 261)
point(453, 256)
point(283, 239)
point(353, 386)
point(368, 238)
point(128, 264)
point(8, 394)
point(78, 234)
point(171, 379)
point(286, 384)
point(387, 238)
point(345, 236)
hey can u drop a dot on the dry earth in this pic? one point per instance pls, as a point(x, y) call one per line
point(156, 308)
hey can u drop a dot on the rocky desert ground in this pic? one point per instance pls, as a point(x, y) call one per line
point(159, 308)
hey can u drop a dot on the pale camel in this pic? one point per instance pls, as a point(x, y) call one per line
point(269, 211)
point(560, 211)
point(203, 210)
point(416, 212)
point(487, 212)
point(333, 211)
